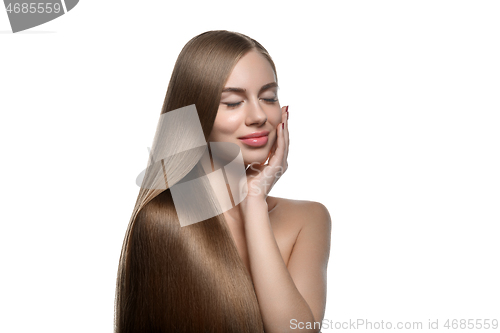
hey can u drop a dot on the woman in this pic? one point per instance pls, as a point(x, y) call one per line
point(260, 266)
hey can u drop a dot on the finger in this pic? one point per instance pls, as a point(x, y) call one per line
point(277, 158)
point(284, 119)
point(279, 145)
point(272, 150)
point(287, 138)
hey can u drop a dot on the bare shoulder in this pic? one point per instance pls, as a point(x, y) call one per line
point(300, 213)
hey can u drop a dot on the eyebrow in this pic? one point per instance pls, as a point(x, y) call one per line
point(241, 90)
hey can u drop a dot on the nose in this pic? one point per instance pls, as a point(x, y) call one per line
point(255, 114)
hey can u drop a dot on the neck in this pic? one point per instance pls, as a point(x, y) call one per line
point(234, 216)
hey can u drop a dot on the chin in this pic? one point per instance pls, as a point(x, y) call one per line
point(259, 157)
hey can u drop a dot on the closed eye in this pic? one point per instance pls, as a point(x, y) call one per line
point(270, 100)
point(267, 100)
point(232, 105)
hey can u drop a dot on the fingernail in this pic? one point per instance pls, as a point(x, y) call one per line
point(283, 125)
point(287, 112)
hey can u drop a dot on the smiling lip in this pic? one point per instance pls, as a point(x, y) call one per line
point(256, 139)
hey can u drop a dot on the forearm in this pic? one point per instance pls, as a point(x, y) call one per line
point(278, 297)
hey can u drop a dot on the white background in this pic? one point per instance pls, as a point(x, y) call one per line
point(394, 127)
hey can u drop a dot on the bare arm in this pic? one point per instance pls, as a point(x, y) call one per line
point(309, 260)
point(293, 295)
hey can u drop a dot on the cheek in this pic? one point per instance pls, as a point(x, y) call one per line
point(225, 125)
point(275, 117)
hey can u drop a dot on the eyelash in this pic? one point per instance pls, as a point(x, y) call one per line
point(268, 100)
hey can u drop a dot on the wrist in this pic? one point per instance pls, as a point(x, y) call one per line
point(253, 202)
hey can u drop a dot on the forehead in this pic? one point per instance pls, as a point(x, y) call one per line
point(252, 71)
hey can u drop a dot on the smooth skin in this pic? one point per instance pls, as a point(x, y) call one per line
point(285, 244)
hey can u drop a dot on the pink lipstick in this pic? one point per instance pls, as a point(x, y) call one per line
point(256, 139)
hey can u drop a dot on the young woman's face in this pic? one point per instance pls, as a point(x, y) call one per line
point(249, 106)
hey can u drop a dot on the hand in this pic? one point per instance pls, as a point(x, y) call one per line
point(262, 177)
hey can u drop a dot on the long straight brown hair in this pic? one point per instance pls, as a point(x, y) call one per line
point(191, 278)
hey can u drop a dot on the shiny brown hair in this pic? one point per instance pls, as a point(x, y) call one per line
point(191, 278)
